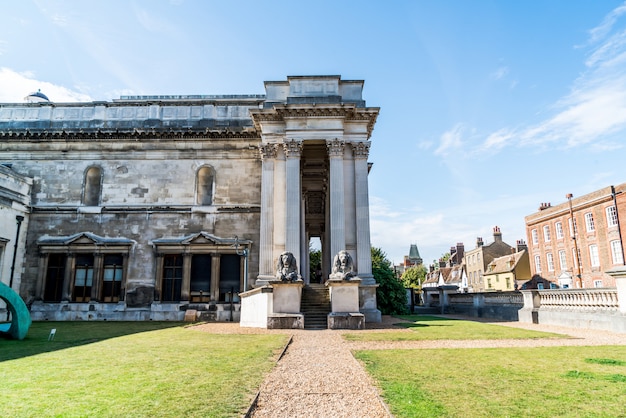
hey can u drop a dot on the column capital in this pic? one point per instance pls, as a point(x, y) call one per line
point(335, 147)
point(267, 151)
point(293, 148)
point(361, 149)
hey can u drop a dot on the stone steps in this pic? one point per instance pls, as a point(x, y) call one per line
point(315, 306)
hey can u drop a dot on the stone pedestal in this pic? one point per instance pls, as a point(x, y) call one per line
point(286, 305)
point(619, 274)
point(346, 320)
point(344, 295)
point(344, 304)
point(367, 303)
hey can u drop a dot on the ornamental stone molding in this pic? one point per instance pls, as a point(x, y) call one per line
point(335, 148)
point(293, 148)
point(268, 151)
point(361, 149)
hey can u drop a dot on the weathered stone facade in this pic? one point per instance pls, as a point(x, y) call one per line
point(146, 206)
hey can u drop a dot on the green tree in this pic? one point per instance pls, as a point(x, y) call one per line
point(414, 277)
point(390, 294)
point(315, 261)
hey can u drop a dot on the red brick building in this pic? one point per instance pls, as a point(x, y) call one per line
point(589, 226)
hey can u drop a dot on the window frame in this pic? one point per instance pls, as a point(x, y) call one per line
point(550, 261)
point(537, 263)
point(562, 260)
point(617, 255)
point(589, 222)
point(534, 236)
point(558, 227)
point(546, 233)
point(611, 216)
point(594, 256)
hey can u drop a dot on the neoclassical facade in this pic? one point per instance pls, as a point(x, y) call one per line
point(148, 206)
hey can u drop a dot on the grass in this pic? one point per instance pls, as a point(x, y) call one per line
point(437, 328)
point(511, 382)
point(134, 369)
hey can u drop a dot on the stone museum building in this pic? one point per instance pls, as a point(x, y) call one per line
point(147, 207)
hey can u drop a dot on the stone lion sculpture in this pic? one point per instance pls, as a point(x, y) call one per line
point(343, 266)
point(287, 268)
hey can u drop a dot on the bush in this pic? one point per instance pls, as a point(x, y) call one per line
point(390, 295)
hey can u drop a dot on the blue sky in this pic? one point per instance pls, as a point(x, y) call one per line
point(488, 108)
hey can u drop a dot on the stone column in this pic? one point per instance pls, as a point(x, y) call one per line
point(42, 274)
point(266, 241)
point(215, 277)
point(98, 278)
point(337, 218)
point(186, 282)
point(293, 151)
point(349, 202)
point(68, 279)
point(158, 277)
point(364, 251)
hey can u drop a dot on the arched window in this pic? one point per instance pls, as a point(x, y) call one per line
point(204, 186)
point(92, 186)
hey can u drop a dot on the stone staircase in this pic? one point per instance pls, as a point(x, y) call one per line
point(315, 306)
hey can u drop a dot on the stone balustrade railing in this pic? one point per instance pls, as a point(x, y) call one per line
point(583, 300)
point(602, 308)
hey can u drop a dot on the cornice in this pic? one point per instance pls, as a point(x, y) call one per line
point(135, 134)
point(350, 113)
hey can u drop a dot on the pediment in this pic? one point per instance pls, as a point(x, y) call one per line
point(202, 238)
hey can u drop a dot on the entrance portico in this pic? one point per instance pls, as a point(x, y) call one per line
point(314, 147)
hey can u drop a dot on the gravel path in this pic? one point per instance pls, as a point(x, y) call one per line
point(319, 377)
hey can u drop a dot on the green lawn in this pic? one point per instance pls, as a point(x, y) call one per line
point(437, 328)
point(502, 382)
point(132, 369)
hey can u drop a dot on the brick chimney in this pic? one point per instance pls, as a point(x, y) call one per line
point(521, 245)
point(479, 242)
point(497, 235)
point(460, 253)
point(544, 206)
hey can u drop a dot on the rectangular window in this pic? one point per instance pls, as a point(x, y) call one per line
point(537, 264)
point(83, 278)
point(550, 261)
point(546, 233)
point(112, 277)
point(597, 283)
point(535, 239)
point(559, 230)
point(593, 256)
point(172, 277)
point(616, 252)
point(54, 278)
point(562, 260)
point(230, 274)
point(611, 216)
point(200, 285)
point(589, 222)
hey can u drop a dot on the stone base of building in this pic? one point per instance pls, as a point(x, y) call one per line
point(285, 321)
point(372, 315)
point(346, 320)
point(93, 311)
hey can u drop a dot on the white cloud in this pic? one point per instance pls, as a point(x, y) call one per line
point(594, 110)
point(605, 27)
point(500, 73)
point(15, 86)
point(450, 141)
